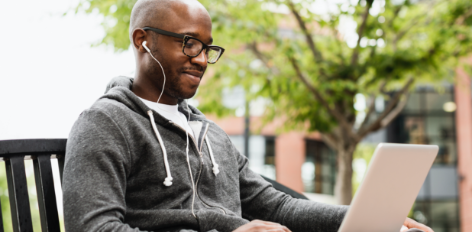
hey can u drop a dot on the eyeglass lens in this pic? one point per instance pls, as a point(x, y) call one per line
point(213, 54)
point(194, 47)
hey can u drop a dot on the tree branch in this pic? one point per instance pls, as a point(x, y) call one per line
point(371, 107)
point(394, 113)
point(360, 32)
point(395, 14)
point(339, 117)
point(402, 33)
point(461, 19)
point(377, 124)
point(369, 111)
point(340, 45)
point(367, 64)
point(253, 47)
point(329, 139)
point(415, 21)
point(309, 39)
point(461, 52)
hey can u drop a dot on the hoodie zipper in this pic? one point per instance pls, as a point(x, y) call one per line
point(202, 163)
point(193, 140)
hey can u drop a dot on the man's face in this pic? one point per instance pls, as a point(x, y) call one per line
point(183, 73)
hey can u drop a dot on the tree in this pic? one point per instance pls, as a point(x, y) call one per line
point(310, 63)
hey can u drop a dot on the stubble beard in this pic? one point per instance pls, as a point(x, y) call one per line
point(173, 86)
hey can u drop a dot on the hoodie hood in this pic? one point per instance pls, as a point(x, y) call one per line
point(119, 89)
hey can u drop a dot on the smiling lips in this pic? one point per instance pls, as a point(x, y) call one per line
point(194, 76)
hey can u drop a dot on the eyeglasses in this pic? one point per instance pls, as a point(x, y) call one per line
point(192, 47)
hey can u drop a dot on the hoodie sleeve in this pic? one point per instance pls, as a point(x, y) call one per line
point(259, 200)
point(95, 173)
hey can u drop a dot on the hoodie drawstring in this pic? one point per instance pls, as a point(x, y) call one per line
point(215, 165)
point(168, 180)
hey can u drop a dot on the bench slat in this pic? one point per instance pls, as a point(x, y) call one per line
point(18, 194)
point(1, 216)
point(60, 163)
point(46, 194)
point(32, 146)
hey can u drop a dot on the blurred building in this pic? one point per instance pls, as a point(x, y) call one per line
point(430, 118)
point(304, 163)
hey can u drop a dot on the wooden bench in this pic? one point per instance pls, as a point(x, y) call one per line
point(41, 151)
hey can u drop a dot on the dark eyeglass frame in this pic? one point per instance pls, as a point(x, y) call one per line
point(186, 38)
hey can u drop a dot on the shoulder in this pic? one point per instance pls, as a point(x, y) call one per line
point(111, 110)
point(108, 106)
point(96, 130)
point(103, 116)
point(100, 112)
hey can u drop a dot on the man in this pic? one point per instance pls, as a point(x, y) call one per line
point(141, 159)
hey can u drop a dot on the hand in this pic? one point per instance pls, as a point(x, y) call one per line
point(412, 224)
point(262, 226)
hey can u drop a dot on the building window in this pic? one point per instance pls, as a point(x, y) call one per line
point(319, 169)
point(429, 118)
point(441, 216)
point(269, 151)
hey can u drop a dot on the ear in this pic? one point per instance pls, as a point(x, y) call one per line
point(139, 36)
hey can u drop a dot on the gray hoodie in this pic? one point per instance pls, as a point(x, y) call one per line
point(116, 166)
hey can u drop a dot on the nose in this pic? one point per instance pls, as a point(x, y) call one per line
point(201, 59)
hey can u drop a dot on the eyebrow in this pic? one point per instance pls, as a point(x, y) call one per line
point(194, 34)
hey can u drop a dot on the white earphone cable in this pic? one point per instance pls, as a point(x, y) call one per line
point(160, 139)
point(163, 73)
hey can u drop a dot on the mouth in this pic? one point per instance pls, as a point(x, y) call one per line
point(194, 76)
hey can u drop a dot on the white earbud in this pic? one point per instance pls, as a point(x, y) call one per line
point(163, 73)
point(145, 47)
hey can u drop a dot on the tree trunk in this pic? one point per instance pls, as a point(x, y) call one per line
point(343, 187)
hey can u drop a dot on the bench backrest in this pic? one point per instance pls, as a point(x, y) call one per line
point(14, 153)
point(41, 151)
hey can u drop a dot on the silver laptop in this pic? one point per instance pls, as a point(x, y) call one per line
point(390, 186)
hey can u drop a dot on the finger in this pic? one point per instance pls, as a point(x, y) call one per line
point(271, 225)
point(276, 228)
point(410, 223)
point(285, 229)
point(272, 229)
point(403, 229)
point(281, 229)
point(279, 226)
point(267, 222)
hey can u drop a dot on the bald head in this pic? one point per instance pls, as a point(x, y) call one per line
point(163, 59)
point(160, 13)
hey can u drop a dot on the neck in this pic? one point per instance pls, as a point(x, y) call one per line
point(146, 90)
